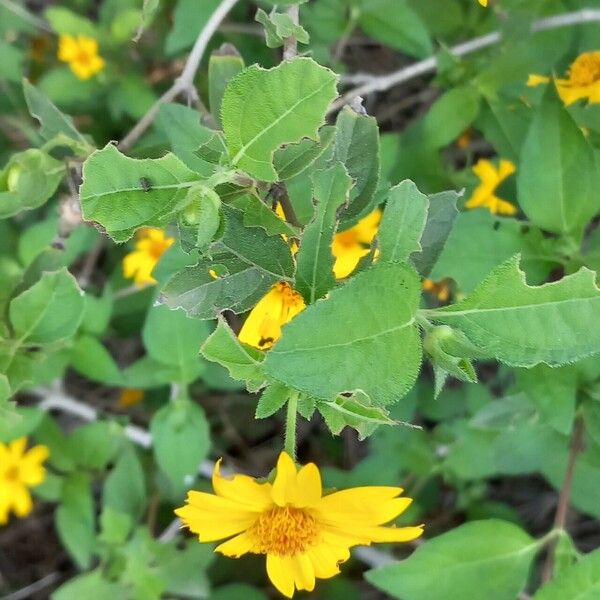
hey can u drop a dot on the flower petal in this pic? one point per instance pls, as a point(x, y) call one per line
point(284, 487)
point(237, 546)
point(326, 559)
point(21, 500)
point(308, 486)
point(281, 574)
point(304, 572)
point(242, 489)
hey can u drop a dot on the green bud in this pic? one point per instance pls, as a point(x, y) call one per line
point(13, 176)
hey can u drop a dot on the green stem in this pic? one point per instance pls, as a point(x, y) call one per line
point(290, 425)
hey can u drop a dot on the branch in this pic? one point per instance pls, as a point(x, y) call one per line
point(185, 82)
point(290, 45)
point(562, 507)
point(429, 65)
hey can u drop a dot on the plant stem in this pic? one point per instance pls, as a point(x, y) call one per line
point(290, 425)
point(562, 507)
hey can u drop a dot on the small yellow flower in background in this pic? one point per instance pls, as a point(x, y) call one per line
point(439, 289)
point(464, 140)
point(305, 535)
point(20, 469)
point(81, 53)
point(491, 177)
point(483, 2)
point(350, 246)
point(129, 398)
point(277, 307)
point(151, 244)
point(582, 83)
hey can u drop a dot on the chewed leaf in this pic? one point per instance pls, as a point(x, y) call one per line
point(264, 109)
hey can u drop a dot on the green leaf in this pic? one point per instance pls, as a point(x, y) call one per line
point(403, 222)
point(49, 311)
point(495, 556)
point(53, 122)
point(280, 26)
point(9, 417)
point(181, 440)
point(293, 159)
point(224, 64)
point(242, 362)
point(94, 445)
point(440, 219)
point(258, 214)
point(558, 172)
point(314, 272)
point(520, 325)
point(174, 339)
point(91, 359)
point(396, 24)
point(272, 399)
point(279, 106)
point(125, 488)
point(115, 526)
point(354, 411)
point(75, 519)
point(189, 18)
point(362, 337)
point(480, 241)
point(123, 194)
point(89, 585)
point(357, 147)
point(579, 582)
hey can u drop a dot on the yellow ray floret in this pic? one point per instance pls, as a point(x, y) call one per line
point(151, 244)
point(491, 177)
point(483, 2)
point(304, 534)
point(277, 307)
point(582, 81)
point(20, 469)
point(81, 53)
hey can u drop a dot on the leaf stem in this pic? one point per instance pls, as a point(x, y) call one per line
point(290, 425)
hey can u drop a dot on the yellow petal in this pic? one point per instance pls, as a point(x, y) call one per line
point(326, 559)
point(535, 80)
point(67, 48)
point(483, 2)
point(268, 309)
point(242, 489)
point(308, 486)
point(505, 169)
point(346, 259)
point(486, 171)
point(367, 227)
point(21, 500)
point(390, 534)
point(304, 572)
point(284, 487)
point(237, 546)
point(16, 449)
point(503, 207)
point(281, 574)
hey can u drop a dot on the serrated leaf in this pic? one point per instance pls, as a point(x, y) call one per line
point(314, 271)
point(242, 362)
point(402, 223)
point(441, 215)
point(495, 554)
point(357, 147)
point(558, 174)
point(123, 194)
point(293, 159)
point(523, 326)
point(49, 311)
point(363, 337)
point(278, 27)
point(273, 398)
point(258, 214)
point(279, 106)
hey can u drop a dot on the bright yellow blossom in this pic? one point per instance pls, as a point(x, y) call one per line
point(20, 469)
point(582, 82)
point(151, 244)
point(439, 289)
point(491, 177)
point(483, 2)
point(278, 306)
point(305, 535)
point(350, 246)
point(81, 53)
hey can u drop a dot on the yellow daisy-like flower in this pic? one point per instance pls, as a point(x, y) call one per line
point(305, 535)
point(582, 82)
point(439, 289)
point(20, 469)
point(81, 53)
point(151, 244)
point(491, 177)
point(277, 307)
point(483, 2)
point(350, 246)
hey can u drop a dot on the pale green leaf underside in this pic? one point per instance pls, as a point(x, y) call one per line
point(361, 337)
point(264, 109)
point(520, 325)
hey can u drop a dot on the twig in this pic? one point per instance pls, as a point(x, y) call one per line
point(562, 507)
point(33, 588)
point(290, 45)
point(90, 262)
point(185, 82)
point(385, 82)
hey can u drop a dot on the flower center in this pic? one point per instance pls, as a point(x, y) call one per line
point(83, 58)
point(284, 531)
point(12, 474)
point(348, 238)
point(586, 69)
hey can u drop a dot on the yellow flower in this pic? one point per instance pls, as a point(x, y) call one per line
point(483, 2)
point(277, 307)
point(150, 246)
point(439, 289)
point(491, 177)
point(81, 53)
point(19, 470)
point(304, 534)
point(583, 80)
point(350, 246)
point(129, 398)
